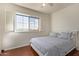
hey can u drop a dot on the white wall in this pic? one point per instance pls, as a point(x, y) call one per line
point(2, 24)
point(66, 19)
point(13, 39)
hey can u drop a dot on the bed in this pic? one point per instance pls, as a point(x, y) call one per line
point(52, 46)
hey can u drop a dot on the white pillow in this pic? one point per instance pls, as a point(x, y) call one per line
point(53, 34)
point(64, 35)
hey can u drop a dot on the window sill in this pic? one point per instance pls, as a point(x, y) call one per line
point(28, 31)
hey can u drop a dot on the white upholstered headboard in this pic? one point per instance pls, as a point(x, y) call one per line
point(75, 35)
point(76, 40)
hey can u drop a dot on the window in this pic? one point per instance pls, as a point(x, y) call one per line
point(33, 23)
point(25, 23)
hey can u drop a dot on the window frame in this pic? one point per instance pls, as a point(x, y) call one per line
point(29, 30)
point(38, 23)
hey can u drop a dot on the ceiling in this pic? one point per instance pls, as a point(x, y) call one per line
point(49, 8)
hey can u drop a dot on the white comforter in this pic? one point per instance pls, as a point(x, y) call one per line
point(52, 46)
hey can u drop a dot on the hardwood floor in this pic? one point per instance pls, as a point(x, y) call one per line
point(28, 51)
point(23, 51)
point(73, 53)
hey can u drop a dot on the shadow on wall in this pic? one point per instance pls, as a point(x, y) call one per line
point(14, 40)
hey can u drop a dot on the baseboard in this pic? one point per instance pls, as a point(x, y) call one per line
point(16, 47)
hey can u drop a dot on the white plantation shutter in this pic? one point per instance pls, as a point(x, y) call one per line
point(25, 23)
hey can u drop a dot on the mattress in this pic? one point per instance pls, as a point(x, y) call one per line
point(51, 46)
